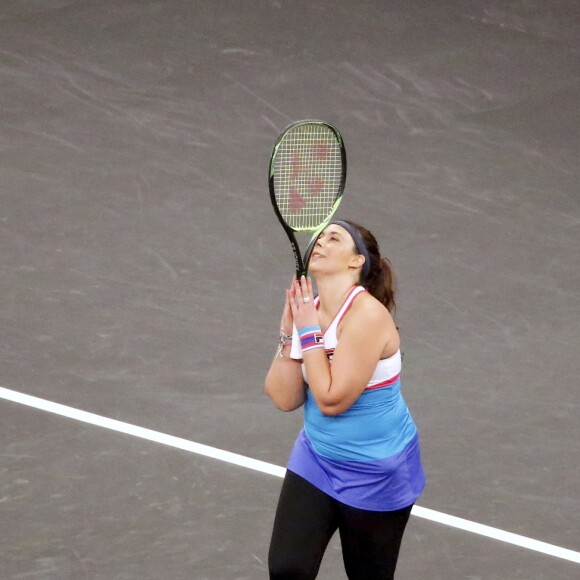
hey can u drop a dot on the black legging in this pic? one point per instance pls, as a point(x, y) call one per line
point(307, 518)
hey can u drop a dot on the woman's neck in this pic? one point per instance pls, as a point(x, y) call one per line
point(332, 292)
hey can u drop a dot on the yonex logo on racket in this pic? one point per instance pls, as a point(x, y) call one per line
point(306, 181)
point(307, 172)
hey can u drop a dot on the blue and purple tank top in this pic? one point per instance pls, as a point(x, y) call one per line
point(367, 457)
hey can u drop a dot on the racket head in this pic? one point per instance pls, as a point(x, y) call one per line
point(307, 175)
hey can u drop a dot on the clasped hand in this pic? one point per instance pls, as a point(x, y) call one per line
point(299, 308)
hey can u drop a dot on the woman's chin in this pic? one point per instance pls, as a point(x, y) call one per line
point(314, 266)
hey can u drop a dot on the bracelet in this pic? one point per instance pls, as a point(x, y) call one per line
point(311, 337)
point(283, 340)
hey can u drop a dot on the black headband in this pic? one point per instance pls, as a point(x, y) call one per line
point(359, 243)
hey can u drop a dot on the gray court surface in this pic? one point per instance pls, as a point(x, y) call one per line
point(142, 270)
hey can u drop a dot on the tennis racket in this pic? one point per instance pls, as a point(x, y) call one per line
point(306, 178)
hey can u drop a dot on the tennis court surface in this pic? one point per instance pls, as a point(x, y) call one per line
point(142, 274)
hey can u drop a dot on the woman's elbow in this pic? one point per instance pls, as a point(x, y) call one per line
point(332, 409)
point(287, 406)
point(337, 400)
point(283, 401)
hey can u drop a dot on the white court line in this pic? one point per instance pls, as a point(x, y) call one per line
point(270, 469)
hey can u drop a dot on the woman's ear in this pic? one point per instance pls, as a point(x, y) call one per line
point(358, 260)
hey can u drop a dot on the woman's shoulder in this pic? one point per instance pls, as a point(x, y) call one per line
point(366, 307)
point(371, 317)
point(366, 302)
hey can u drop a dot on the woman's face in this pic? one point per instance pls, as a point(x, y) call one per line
point(334, 251)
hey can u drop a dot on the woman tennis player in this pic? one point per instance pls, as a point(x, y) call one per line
point(356, 464)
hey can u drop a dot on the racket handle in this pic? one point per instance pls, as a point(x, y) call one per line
point(298, 263)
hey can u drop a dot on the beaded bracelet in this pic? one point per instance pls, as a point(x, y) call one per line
point(282, 342)
point(311, 337)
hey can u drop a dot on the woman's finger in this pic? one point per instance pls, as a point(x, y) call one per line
point(309, 288)
point(305, 291)
point(298, 291)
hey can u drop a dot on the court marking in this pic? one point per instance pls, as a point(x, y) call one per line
point(270, 469)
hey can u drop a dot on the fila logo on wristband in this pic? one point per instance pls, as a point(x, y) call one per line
point(311, 337)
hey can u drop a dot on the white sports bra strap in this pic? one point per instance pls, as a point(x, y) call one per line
point(330, 334)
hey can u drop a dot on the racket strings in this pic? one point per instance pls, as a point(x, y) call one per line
point(308, 173)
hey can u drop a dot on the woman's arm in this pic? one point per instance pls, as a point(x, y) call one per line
point(367, 331)
point(284, 383)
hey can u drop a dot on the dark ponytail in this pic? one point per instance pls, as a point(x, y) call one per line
point(380, 281)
